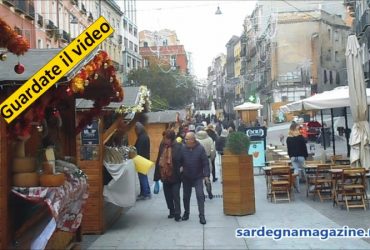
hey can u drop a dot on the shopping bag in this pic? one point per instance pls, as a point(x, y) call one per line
point(142, 164)
point(157, 186)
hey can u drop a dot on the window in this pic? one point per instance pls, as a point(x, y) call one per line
point(135, 48)
point(18, 30)
point(336, 56)
point(336, 36)
point(125, 24)
point(126, 42)
point(134, 63)
point(128, 62)
point(330, 77)
point(145, 63)
point(145, 44)
point(337, 78)
point(135, 32)
point(165, 42)
point(130, 28)
point(329, 34)
point(39, 43)
point(325, 77)
point(173, 60)
point(131, 46)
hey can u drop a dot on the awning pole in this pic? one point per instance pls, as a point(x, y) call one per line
point(346, 132)
point(322, 129)
point(332, 129)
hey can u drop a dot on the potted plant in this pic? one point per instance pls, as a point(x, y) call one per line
point(237, 176)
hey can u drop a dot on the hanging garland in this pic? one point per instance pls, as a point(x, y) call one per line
point(9, 39)
point(97, 81)
point(99, 74)
point(143, 105)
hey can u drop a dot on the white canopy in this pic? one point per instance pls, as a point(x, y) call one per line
point(336, 98)
point(360, 136)
point(248, 106)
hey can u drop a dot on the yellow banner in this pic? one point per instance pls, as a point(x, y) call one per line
point(48, 75)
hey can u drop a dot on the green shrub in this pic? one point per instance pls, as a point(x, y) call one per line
point(238, 143)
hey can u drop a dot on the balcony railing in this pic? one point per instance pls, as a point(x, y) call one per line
point(25, 8)
point(40, 20)
point(65, 36)
point(9, 2)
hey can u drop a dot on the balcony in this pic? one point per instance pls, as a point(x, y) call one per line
point(65, 36)
point(83, 9)
point(90, 18)
point(51, 29)
point(9, 2)
point(25, 8)
point(40, 20)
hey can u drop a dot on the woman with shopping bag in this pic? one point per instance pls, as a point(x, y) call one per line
point(167, 169)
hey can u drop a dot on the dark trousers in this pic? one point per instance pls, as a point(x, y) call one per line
point(187, 186)
point(172, 195)
point(213, 169)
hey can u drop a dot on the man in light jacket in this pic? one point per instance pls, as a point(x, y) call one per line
point(206, 141)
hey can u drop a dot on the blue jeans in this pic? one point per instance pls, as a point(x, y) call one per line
point(144, 185)
point(298, 164)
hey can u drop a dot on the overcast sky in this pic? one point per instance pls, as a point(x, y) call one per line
point(203, 33)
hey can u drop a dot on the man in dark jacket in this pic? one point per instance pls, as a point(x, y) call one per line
point(195, 169)
point(142, 146)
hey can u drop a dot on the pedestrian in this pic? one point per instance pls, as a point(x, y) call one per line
point(212, 133)
point(195, 170)
point(142, 146)
point(208, 144)
point(297, 151)
point(220, 145)
point(167, 169)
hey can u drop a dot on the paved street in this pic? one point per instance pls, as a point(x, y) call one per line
point(145, 226)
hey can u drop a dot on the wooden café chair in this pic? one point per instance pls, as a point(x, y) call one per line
point(322, 182)
point(353, 187)
point(281, 183)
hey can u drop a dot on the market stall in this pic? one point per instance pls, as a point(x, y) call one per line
point(102, 153)
point(43, 190)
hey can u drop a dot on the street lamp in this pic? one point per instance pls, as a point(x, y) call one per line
point(218, 11)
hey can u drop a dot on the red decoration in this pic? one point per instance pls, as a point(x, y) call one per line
point(19, 68)
point(9, 39)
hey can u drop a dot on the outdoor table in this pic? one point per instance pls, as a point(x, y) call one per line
point(277, 150)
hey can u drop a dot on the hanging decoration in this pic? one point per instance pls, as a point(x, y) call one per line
point(19, 68)
point(10, 39)
point(3, 56)
point(98, 79)
point(143, 105)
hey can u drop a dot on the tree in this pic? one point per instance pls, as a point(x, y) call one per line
point(168, 90)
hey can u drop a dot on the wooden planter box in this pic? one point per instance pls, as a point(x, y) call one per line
point(238, 184)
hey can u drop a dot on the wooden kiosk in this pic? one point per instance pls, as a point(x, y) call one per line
point(248, 111)
point(47, 121)
point(116, 120)
point(50, 122)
